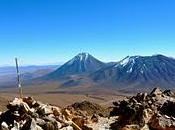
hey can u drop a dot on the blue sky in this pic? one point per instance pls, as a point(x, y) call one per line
point(53, 31)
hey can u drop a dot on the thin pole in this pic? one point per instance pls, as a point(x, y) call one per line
point(18, 78)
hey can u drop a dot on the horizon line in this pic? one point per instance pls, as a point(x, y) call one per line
point(63, 62)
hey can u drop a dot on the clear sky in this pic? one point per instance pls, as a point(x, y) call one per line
point(53, 31)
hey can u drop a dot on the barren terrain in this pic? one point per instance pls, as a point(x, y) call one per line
point(48, 93)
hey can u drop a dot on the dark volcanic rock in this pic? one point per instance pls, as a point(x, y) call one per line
point(154, 110)
point(28, 114)
point(168, 109)
point(162, 122)
point(168, 93)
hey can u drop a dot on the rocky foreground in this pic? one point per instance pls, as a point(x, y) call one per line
point(154, 111)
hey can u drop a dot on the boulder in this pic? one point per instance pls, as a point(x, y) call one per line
point(169, 93)
point(79, 121)
point(168, 108)
point(156, 92)
point(67, 128)
point(44, 110)
point(4, 126)
point(56, 111)
point(154, 110)
point(162, 122)
point(30, 101)
point(94, 118)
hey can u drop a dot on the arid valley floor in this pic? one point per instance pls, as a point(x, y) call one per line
point(61, 99)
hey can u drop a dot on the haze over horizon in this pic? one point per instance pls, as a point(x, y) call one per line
point(49, 32)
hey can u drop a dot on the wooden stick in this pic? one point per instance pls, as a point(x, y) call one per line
point(75, 126)
point(19, 80)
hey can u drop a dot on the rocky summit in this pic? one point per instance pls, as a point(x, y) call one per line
point(29, 114)
point(154, 111)
point(145, 111)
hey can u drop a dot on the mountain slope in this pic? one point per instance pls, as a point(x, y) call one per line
point(82, 63)
point(139, 71)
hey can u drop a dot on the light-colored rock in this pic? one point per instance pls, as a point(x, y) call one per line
point(45, 110)
point(156, 91)
point(67, 128)
point(4, 126)
point(146, 127)
point(161, 122)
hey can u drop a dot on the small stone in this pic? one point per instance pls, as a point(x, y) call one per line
point(156, 91)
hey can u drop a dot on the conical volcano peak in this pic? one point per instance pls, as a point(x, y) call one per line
point(79, 64)
point(83, 56)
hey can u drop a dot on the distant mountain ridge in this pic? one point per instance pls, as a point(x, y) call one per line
point(25, 69)
point(133, 73)
point(139, 71)
point(8, 74)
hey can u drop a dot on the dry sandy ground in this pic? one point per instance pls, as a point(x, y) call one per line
point(59, 99)
point(62, 100)
point(40, 93)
